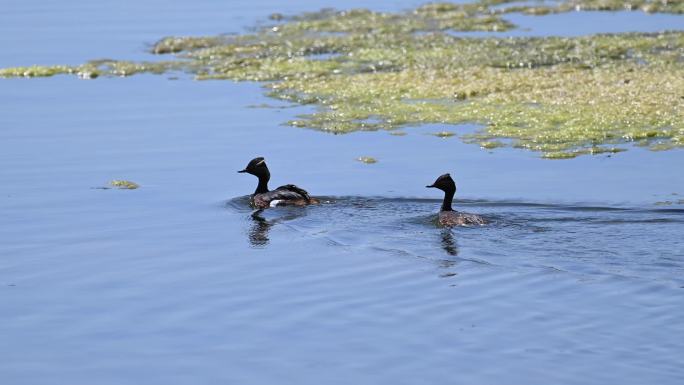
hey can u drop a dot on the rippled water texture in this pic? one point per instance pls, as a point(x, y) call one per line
point(578, 279)
point(587, 241)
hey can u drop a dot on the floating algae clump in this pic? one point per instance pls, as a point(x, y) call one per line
point(36, 71)
point(444, 134)
point(95, 68)
point(124, 184)
point(367, 159)
point(368, 70)
point(544, 8)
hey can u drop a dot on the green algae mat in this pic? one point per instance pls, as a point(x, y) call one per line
point(368, 70)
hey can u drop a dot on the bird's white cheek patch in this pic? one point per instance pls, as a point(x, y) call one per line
point(275, 202)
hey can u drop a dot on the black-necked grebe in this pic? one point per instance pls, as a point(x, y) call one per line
point(283, 195)
point(447, 216)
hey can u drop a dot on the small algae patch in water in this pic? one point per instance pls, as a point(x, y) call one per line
point(443, 134)
point(366, 70)
point(489, 145)
point(430, 17)
point(37, 71)
point(367, 159)
point(124, 184)
point(544, 8)
point(176, 44)
point(95, 68)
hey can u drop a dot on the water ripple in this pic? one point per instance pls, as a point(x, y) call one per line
point(635, 242)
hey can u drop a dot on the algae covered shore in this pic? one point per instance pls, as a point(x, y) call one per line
point(366, 70)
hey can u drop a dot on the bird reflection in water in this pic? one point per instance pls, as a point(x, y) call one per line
point(258, 233)
point(449, 243)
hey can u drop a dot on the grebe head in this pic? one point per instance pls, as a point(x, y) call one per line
point(444, 183)
point(258, 168)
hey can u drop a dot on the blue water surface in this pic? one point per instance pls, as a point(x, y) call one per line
point(578, 278)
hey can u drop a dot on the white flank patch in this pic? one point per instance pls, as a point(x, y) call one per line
point(275, 202)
